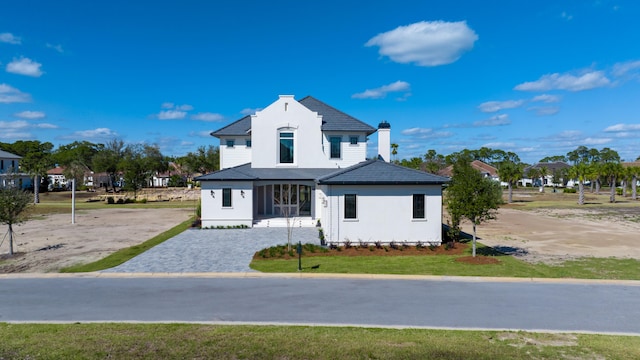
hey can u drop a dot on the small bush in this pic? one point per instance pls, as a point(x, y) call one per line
point(433, 246)
point(142, 201)
point(372, 248)
point(569, 191)
point(363, 244)
point(419, 245)
point(619, 191)
point(120, 201)
point(394, 245)
point(347, 243)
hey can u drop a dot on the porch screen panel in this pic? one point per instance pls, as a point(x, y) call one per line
point(350, 206)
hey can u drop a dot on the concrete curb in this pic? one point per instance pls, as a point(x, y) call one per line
point(322, 276)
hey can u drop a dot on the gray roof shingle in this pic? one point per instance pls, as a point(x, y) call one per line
point(247, 173)
point(378, 172)
point(332, 120)
point(8, 155)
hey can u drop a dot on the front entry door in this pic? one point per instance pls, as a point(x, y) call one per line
point(285, 200)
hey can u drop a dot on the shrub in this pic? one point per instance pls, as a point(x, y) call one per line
point(419, 245)
point(619, 191)
point(569, 191)
point(393, 245)
point(110, 200)
point(363, 244)
point(142, 201)
point(120, 201)
point(378, 244)
point(347, 243)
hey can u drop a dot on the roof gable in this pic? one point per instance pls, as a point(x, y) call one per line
point(332, 120)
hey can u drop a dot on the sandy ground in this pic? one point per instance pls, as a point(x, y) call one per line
point(555, 235)
point(50, 243)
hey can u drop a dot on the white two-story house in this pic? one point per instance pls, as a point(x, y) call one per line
point(307, 160)
point(10, 171)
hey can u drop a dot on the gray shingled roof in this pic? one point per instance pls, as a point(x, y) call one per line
point(8, 155)
point(378, 172)
point(247, 173)
point(332, 120)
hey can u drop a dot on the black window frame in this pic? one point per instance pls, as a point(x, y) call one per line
point(283, 156)
point(353, 140)
point(231, 143)
point(226, 198)
point(338, 148)
point(419, 207)
point(350, 206)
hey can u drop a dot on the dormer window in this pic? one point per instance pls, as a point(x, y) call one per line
point(286, 147)
point(231, 143)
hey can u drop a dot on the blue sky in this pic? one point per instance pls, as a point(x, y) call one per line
point(535, 77)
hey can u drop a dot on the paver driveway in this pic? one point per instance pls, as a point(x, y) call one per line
point(228, 250)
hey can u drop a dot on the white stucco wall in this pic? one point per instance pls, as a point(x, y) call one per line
point(287, 113)
point(239, 154)
point(384, 213)
point(349, 154)
point(241, 210)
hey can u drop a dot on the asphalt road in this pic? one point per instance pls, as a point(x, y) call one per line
point(573, 307)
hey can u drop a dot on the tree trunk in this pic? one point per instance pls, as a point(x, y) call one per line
point(624, 188)
point(612, 192)
point(598, 186)
point(634, 192)
point(36, 189)
point(474, 240)
point(10, 240)
point(510, 192)
point(581, 192)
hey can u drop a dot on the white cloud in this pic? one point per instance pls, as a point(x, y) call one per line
point(23, 124)
point(57, 48)
point(566, 16)
point(623, 127)
point(171, 115)
point(207, 116)
point(426, 43)
point(9, 94)
point(544, 110)
point(25, 66)
point(203, 134)
point(500, 145)
point(30, 114)
point(596, 141)
point(249, 111)
point(167, 105)
point(96, 134)
point(381, 92)
point(9, 38)
point(621, 69)
point(425, 133)
point(546, 98)
point(556, 81)
point(184, 107)
point(493, 106)
point(498, 120)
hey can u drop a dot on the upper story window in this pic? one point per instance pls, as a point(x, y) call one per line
point(231, 143)
point(1, 164)
point(353, 140)
point(286, 147)
point(248, 143)
point(335, 146)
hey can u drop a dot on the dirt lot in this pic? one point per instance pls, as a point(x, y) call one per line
point(51, 242)
point(555, 235)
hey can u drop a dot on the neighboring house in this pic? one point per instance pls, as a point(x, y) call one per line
point(305, 160)
point(557, 169)
point(485, 169)
point(9, 171)
point(162, 179)
point(57, 180)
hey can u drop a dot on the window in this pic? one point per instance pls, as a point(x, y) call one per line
point(286, 148)
point(418, 206)
point(350, 206)
point(230, 143)
point(248, 143)
point(1, 164)
point(335, 146)
point(226, 197)
point(353, 140)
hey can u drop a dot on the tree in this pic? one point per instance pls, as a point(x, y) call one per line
point(434, 162)
point(108, 159)
point(580, 171)
point(14, 203)
point(205, 160)
point(394, 151)
point(413, 163)
point(139, 163)
point(612, 171)
point(472, 196)
point(555, 158)
point(533, 173)
point(36, 160)
point(81, 152)
point(510, 173)
point(543, 177)
point(634, 173)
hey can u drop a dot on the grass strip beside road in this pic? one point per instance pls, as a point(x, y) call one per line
point(583, 268)
point(126, 254)
point(189, 341)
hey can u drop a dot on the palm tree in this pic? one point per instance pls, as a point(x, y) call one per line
point(533, 173)
point(634, 172)
point(510, 173)
point(394, 151)
point(612, 171)
point(543, 176)
point(580, 171)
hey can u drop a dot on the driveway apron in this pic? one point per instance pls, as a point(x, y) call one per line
point(219, 250)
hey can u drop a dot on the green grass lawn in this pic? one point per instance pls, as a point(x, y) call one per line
point(585, 268)
point(188, 341)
